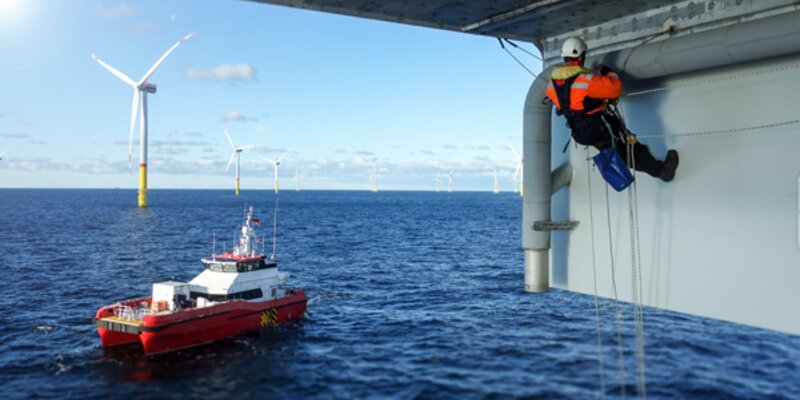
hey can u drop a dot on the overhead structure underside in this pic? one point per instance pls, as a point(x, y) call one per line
point(607, 26)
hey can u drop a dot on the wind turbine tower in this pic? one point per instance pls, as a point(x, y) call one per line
point(296, 179)
point(276, 164)
point(518, 177)
point(140, 91)
point(373, 179)
point(237, 151)
point(496, 188)
point(450, 182)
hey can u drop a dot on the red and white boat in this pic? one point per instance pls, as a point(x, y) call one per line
point(238, 291)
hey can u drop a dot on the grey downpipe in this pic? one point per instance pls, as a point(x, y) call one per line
point(741, 42)
point(537, 185)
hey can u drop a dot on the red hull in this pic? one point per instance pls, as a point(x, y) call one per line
point(193, 327)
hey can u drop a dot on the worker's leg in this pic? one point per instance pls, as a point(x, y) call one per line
point(643, 160)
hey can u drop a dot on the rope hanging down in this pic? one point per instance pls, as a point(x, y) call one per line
point(617, 311)
point(514, 57)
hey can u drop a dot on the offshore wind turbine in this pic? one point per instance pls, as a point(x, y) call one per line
point(450, 182)
point(237, 151)
point(496, 187)
point(518, 177)
point(140, 90)
point(296, 179)
point(373, 179)
point(276, 164)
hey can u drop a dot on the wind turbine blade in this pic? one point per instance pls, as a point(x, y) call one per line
point(227, 135)
point(513, 151)
point(249, 146)
point(163, 57)
point(116, 73)
point(134, 112)
point(233, 156)
point(269, 159)
point(282, 155)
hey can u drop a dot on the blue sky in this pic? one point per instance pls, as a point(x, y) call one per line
point(340, 93)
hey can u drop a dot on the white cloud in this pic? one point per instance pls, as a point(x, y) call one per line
point(118, 11)
point(144, 27)
point(241, 72)
point(237, 116)
point(15, 135)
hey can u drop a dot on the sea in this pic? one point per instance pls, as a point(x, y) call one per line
point(412, 295)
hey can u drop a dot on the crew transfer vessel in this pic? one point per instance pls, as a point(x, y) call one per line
point(238, 291)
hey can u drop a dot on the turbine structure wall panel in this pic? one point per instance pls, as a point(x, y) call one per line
point(721, 240)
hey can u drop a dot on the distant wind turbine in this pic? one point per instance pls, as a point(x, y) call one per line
point(373, 179)
point(276, 168)
point(518, 177)
point(296, 179)
point(450, 182)
point(496, 188)
point(237, 151)
point(438, 180)
point(140, 91)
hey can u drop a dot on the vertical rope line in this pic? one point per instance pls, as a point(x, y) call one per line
point(617, 311)
point(636, 272)
point(594, 281)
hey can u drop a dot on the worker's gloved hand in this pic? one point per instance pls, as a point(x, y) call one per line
point(604, 69)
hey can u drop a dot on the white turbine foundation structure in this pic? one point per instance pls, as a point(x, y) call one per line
point(140, 91)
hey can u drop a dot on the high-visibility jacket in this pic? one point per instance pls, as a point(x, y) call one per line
point(588, 89)
point(587, 92)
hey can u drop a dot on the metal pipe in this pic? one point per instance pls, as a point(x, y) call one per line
point(746, 41)
point(561, 177)
point(537, 184)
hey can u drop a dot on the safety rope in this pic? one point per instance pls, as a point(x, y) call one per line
point(617, 310)
point(515, 58)
point(722, 131)
point(594, 281)
point(522, 49)
point(713, 80)
point(636, 270)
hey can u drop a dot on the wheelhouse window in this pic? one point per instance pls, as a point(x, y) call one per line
point(241, 266)
point(243, 295)
point(222, 266)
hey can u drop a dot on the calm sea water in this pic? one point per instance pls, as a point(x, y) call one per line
point(412, 295)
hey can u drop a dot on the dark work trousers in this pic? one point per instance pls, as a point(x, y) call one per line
point(643, 159)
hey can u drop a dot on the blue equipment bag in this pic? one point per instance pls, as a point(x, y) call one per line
point(613, 169)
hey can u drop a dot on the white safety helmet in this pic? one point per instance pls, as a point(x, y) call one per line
point(573, 47)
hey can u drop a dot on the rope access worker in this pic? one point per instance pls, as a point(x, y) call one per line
point(587, 95)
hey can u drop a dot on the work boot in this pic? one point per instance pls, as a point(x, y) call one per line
point(670, 165)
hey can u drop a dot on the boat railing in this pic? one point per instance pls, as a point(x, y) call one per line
point(128, 313)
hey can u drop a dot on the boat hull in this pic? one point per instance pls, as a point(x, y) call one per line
point(194, 327)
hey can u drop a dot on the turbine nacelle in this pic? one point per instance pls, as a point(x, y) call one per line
point(148, 87)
